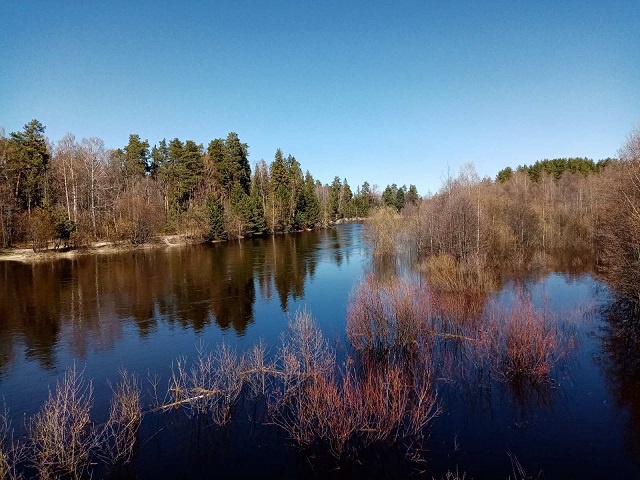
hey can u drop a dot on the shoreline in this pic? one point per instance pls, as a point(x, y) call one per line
point(27, 255)
point(103, 247)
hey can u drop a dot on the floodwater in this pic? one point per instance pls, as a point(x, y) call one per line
point(143, 309)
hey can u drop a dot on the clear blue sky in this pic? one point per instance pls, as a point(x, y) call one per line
point(379, 91)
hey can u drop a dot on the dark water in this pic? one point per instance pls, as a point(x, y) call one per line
point(143, 309)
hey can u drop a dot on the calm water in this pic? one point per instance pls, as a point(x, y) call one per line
point(143, 309)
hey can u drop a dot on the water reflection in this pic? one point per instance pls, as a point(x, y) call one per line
point(89, 299)
point(621, 363)
point(143, 308)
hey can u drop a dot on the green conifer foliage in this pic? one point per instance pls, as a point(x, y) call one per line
point(27, 164)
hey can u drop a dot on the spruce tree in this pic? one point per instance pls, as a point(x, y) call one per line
point(27, 164)
point(280, 191)
point(215, 216)
point(135, 157)
point(334, 198)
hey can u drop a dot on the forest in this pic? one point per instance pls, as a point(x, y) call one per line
point(72, 193)
point(78, 192)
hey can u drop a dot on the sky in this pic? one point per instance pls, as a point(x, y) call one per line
point(401, 92)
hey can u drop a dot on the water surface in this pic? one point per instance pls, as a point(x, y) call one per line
point(142, 309)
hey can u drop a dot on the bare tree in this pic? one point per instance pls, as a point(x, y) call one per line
point(620, 235)
point(94, 159)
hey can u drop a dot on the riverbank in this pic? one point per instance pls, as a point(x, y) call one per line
point(24, 254)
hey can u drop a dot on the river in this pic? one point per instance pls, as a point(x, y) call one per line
point(140, 310)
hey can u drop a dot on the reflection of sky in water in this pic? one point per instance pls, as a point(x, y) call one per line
point(570, 428)
point(556, 291)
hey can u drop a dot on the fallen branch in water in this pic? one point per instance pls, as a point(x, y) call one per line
point(200, 394)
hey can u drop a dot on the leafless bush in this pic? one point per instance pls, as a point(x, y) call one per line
point(351, 407)
point(40, 229)
point(257, 371)
point(354, 410)
point(139, 213)
point(619, 242)
point(305, 353)
point(61, 432)
point(397, 401)
point(380, 232)
point(307, 367)
point(212, 384)
point(118, 436)
point(524, 343)
point(228, 380)
point(415, 324)
point(454, 476)
point(383, 317)
point(194, 223)
point(12, 451)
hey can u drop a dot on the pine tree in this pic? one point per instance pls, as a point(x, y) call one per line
point(255, 214)
point(346, 197)
point(389, 196)
point(235, 167)
point(216, 158)
point(296, 195)
point(412, 197)
point(159, 158)
point(400, 201)
point(181, 170)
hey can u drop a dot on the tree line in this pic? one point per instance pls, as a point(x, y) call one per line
point(79, 191)
point(524, 216)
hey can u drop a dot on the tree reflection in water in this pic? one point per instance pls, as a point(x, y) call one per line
point(92, 297)
point(620, 361)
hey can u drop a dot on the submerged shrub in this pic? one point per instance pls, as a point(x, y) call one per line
point(125, 413)
point(523, 342)
point(454, 333)
point(380, 232)
point(383, 317)
point(472, 273)
point(211, 385)
point(346, 408)
point(61, 432)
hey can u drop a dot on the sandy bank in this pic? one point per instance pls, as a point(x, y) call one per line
point(28, 255)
